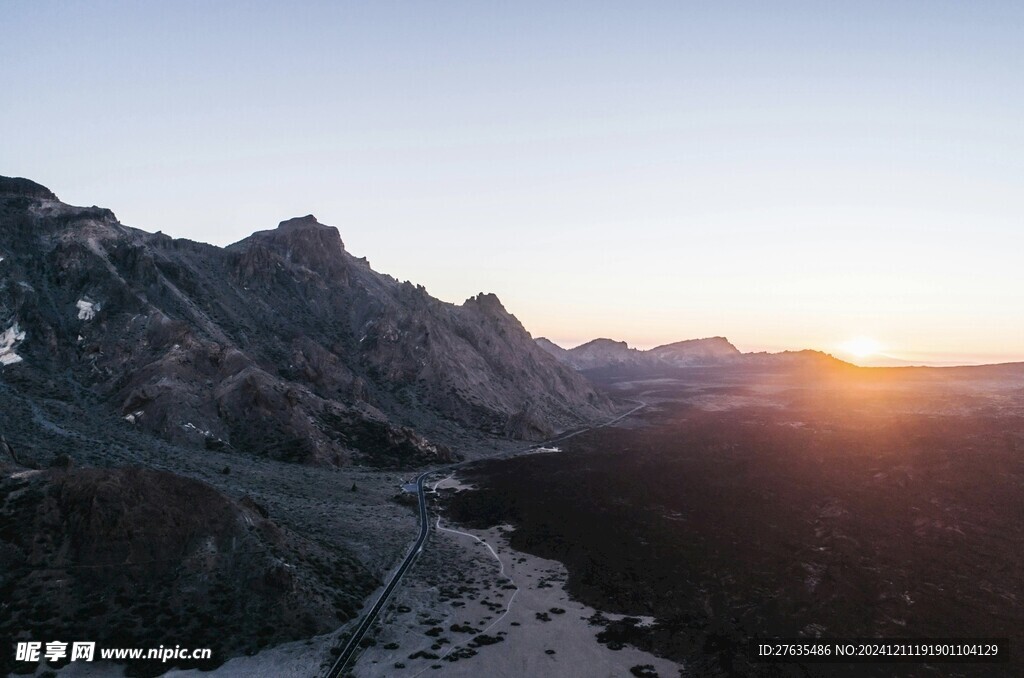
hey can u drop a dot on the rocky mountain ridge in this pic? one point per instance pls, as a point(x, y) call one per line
point(604, 353)
point(608, 354)
point(283, 344)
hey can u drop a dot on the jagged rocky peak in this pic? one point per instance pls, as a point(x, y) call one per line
point(29, 208)
point(486, 301)
point(308, 222)
point(301, 240)
point(489, 306)
point(25, 187)
point(299, 229)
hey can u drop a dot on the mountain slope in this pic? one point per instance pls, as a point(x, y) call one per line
point(283, 344)
point(126, 556)
point(551, 348)
point(602, 353)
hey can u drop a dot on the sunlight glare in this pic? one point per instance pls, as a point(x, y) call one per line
point(861, 347)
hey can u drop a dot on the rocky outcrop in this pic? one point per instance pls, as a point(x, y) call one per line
point(25, 188)
point(282, 344)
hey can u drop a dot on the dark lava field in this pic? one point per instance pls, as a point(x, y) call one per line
point(749, 503)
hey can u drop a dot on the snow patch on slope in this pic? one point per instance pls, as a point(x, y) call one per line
point(86, 309)
point(8, 342)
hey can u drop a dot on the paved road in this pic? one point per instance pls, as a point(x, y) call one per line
point(348, 651)
point(353, 642)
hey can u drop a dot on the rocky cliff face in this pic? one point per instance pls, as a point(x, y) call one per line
point(283, 344)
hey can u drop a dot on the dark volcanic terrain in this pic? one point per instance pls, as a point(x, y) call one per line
point(283, 344)
point(772, 503)
point(126, 556)
point(203, 446)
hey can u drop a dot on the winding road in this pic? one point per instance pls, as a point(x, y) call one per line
point(352, 644)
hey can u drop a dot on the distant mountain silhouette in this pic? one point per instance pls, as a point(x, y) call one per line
point(608, 354)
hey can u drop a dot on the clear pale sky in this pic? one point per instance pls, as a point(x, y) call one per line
point(785, 174)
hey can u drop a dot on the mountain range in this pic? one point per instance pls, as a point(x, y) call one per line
point(618, 356)
point(283, 344)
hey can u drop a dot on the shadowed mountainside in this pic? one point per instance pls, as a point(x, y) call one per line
point(283, 344)
point(136, 557)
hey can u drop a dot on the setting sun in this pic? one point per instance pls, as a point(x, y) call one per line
point(861, 347)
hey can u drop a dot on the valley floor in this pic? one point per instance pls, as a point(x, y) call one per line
point(474, 586)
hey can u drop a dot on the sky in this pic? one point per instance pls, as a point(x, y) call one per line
point(789, 175)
